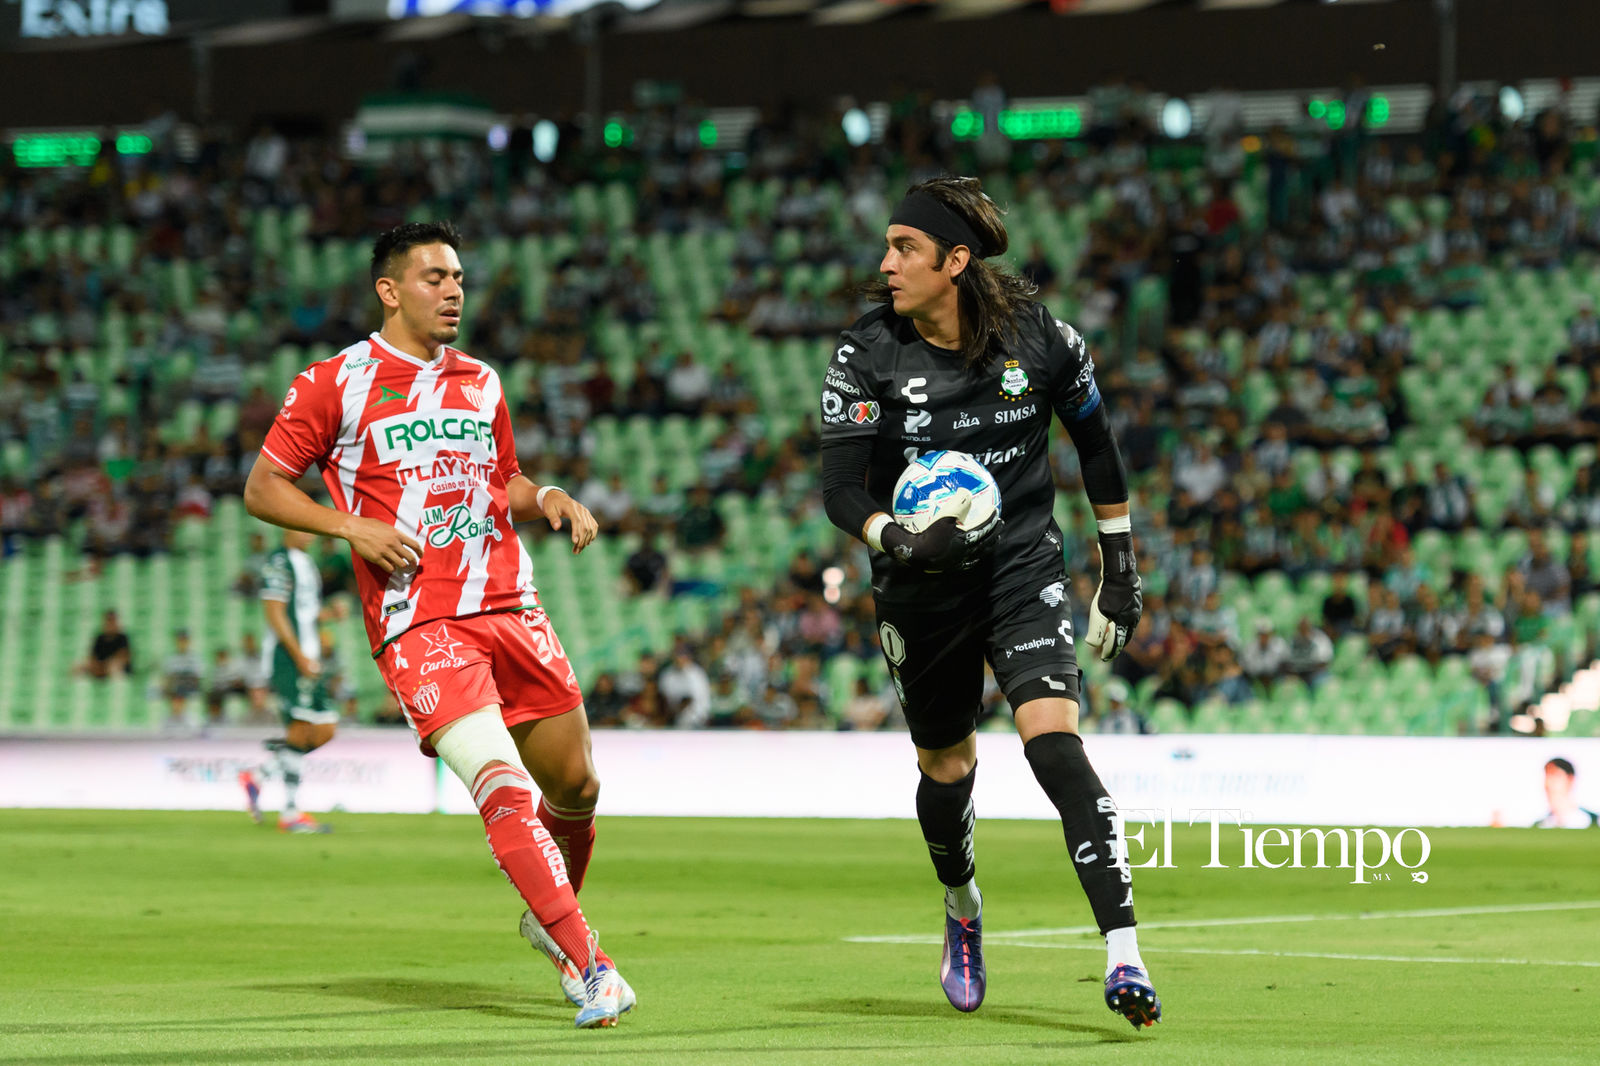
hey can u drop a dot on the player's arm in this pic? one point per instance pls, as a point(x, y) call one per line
point(277, 613)
point(529, 501)
point(942, 546)
point(270, 494)
point(1119, 601)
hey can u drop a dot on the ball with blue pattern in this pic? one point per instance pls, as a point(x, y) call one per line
point(945, 484)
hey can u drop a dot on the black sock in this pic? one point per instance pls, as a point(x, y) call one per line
point(1088, 820)
point(945, 812)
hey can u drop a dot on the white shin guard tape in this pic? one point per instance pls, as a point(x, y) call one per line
point(473, 743)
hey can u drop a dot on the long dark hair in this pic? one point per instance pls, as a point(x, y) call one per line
point(990, 299)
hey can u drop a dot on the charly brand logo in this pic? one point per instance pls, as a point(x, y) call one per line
point(457, 523)
point(1366, 852)
point(398, 435)
point(1014, 381)
point(93, 18)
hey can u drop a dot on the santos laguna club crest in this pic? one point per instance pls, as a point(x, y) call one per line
point(1014, 382)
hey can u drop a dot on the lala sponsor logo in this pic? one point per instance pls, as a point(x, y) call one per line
point(966, 421)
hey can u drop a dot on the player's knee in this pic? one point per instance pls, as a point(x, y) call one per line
point(579, 792)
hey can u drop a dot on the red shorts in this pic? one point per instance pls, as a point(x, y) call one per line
point(444, 670)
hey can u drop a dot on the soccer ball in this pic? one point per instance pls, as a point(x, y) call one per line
point(945, 485)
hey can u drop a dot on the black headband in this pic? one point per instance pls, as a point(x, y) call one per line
point(924, 211)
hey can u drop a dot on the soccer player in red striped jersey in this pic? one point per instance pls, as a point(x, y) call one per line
point(413, 440)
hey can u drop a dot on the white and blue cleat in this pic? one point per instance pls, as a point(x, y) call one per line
point(1130, 994)
point(573, 985)
point(961, 972)
point(602, 992)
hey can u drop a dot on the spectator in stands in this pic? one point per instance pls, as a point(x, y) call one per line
point(1340, 610)
point(1387, 634)
point(1264, 657)
point(111, 654)
point(1581, 575)
point(700, 526)
point(866, 710)
point(1547, 579)
point(1487, 661)
point(1532, 504)
point(1310, 653)
point(1447, 500)
point(180, 677)
point(1583, 335)
point(688, 385)
point(646, 567)
point(686, 690)
point(1117, 715)
point(227, 678)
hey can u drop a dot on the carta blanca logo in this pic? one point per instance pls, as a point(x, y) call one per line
point(92, 18)
point(400, 436)
point(457, 523)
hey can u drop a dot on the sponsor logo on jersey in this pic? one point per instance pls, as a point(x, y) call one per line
point(473, 394)
point(440, 643)
point(362, 363)
point(1000, 455)
point(387, 395)
point(1071, 336)
point(917, 420)
point(396, 608)
point(912, 390)
point(426, 699)
point(1054, 594)
point(966, 421)
point(844, 350)
point(399, 435)
point(1014, 382)
point(445, 527)
point(1031, 645)
point(446, 467)
point(835, 379)
point(499, 813)
point(894, 645)
point(1018, 414)
point(832, 403)
point(865, 412)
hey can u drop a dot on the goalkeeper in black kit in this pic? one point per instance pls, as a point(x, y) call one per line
point(958, 357)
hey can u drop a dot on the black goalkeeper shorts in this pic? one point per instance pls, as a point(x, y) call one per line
point(936, 655)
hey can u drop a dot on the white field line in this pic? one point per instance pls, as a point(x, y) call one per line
point(1310, 954)
point(1268, 919)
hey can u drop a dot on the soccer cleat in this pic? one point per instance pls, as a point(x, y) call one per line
point(302, 823)
point(602, 991)
point(961, 972)
point(1130, 994)
point(252, 795)
point(571, 977)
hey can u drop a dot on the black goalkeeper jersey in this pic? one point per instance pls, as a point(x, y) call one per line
point(885, 382)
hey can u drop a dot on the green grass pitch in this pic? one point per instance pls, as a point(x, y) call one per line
point(151, 938)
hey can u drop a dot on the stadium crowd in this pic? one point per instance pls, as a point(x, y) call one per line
point(1253, 304)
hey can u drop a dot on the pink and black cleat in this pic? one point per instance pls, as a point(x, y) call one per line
point(1130, 994)
point(252, 795)
point(961, 971)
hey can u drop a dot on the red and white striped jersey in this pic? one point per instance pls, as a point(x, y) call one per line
point(428, 448)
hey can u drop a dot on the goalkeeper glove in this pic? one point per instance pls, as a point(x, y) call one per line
point(1118, 602)
point(942, 546)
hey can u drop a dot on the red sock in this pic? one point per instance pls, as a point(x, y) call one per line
point(528, 856)
point(573, 832)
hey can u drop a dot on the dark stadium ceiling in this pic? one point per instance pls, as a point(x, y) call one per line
point(37, 24)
